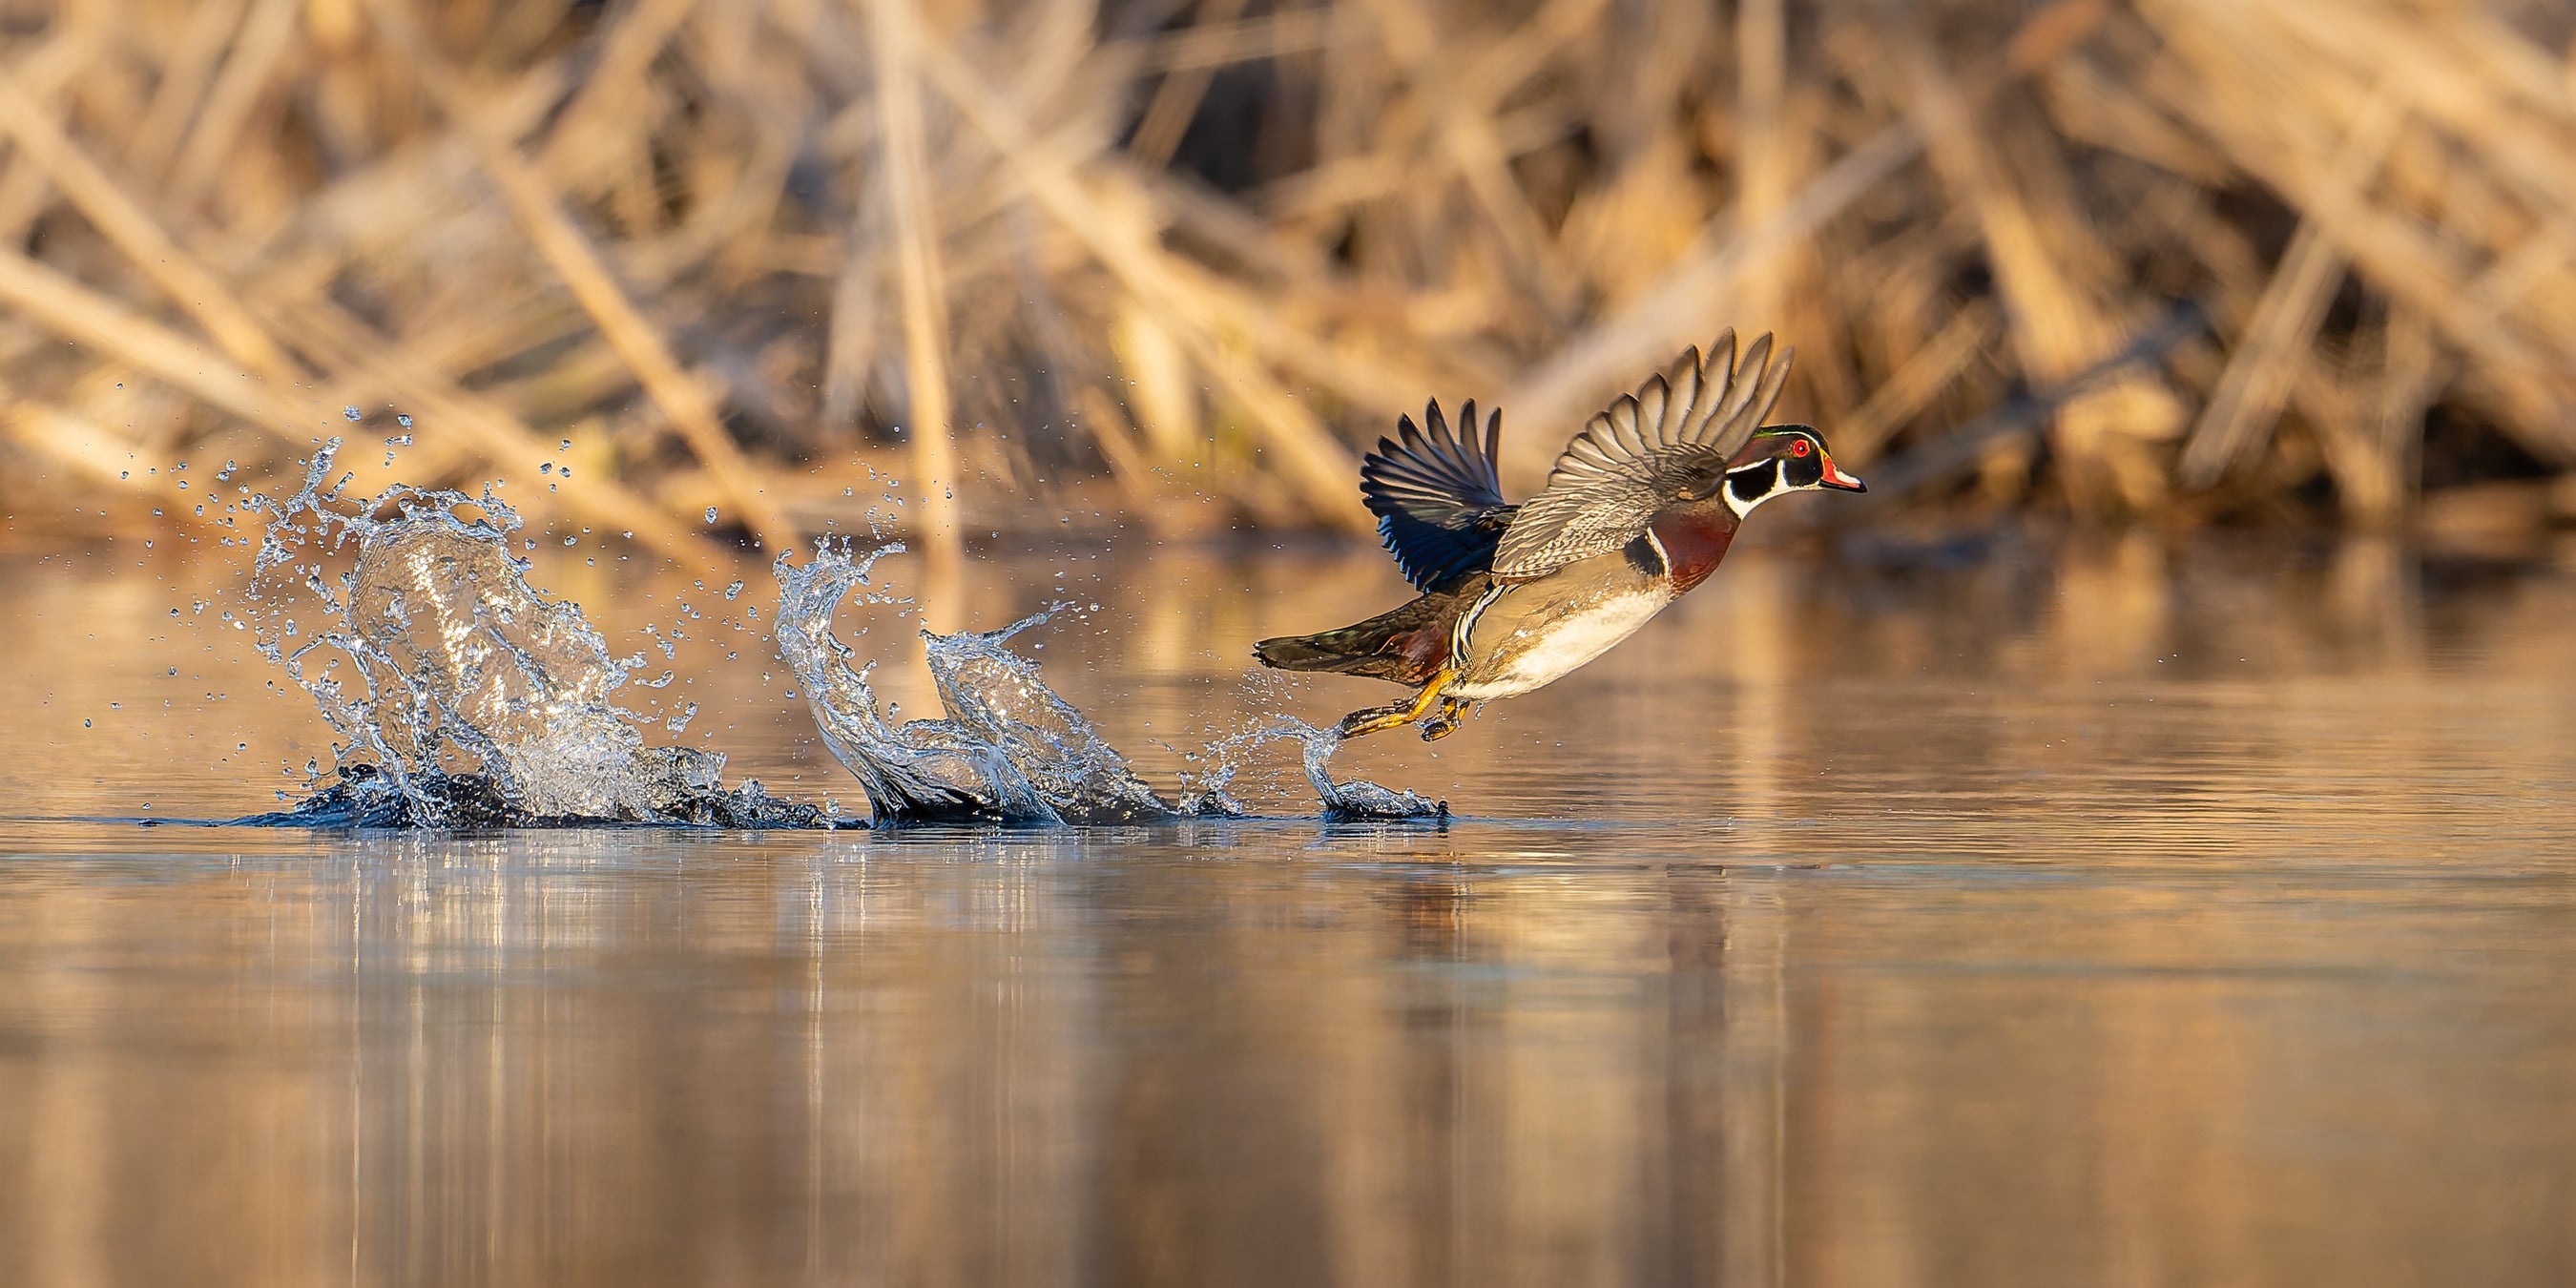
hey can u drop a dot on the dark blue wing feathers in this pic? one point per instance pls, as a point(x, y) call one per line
point(1438, 501)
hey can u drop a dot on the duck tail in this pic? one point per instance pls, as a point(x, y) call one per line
point(1404, 645)
point(1345, 650)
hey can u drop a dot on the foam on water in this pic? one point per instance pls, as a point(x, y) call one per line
point(463, 696)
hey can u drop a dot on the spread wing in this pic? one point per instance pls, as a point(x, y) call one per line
point(1438, 502)
point(1631, 459)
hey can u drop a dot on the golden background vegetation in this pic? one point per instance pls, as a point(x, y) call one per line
point(1168, 262)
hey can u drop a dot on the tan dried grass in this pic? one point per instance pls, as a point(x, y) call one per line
point(1201, 254)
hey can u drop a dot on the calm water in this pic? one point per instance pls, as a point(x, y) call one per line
point(2106, 913)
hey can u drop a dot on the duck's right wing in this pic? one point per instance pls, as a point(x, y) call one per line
point(1438, 500)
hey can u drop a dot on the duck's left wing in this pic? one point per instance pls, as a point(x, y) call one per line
point(1679, 427)
point(1438, 501)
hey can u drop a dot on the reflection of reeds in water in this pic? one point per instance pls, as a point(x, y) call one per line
point(1176, 260)
point(2068, 886)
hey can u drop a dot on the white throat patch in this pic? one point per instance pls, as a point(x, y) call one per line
point(1741, 506)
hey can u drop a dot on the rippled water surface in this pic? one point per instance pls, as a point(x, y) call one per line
point(1884, 914)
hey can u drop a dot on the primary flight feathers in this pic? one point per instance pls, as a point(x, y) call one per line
point(1438, 502)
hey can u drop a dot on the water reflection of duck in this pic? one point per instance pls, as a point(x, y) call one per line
point(1640, 508)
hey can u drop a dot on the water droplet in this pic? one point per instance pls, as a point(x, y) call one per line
point(711, 514)
point(546, 467)
point(567, 446)
point(353, 414)
point(733, 590)
point(405, 422)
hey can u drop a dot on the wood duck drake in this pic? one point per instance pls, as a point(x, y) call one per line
point(1639, 508)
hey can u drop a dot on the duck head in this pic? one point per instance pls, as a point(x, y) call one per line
point(1780, 460)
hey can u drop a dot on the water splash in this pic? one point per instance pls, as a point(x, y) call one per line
point(462, 695)
point(1009, 749)
point(1352, 801)
point(1357, 798)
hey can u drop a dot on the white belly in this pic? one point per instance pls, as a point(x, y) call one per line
point(1542, 649)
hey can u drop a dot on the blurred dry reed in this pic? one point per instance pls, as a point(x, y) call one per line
point(1044, 260)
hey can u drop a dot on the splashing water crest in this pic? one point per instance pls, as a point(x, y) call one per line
point(465, 697)
point(1356, 800)
point(1010, 749)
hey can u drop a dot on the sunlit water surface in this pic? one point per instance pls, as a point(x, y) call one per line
point(2104, 913)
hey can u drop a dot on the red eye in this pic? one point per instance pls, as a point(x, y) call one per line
point(1798, 448)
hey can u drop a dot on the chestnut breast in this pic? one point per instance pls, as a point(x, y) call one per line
point(1694, 541)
